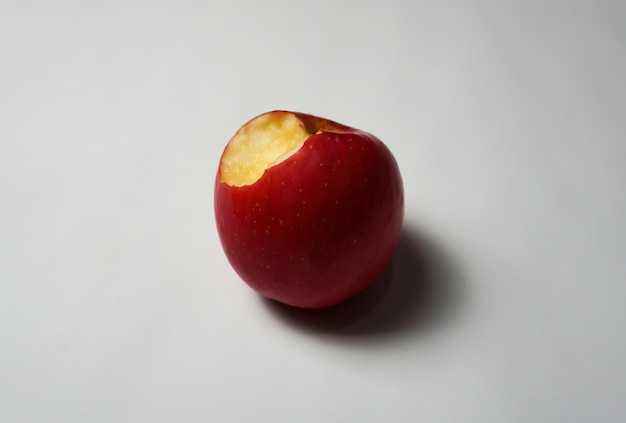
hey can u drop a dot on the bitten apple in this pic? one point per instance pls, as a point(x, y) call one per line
point(309, 211)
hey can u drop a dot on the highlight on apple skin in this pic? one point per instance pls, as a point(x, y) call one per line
point(308, 211)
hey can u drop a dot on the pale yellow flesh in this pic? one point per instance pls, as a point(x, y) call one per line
point(260, 144)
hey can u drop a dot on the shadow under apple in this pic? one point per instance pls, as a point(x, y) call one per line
point(419, 290)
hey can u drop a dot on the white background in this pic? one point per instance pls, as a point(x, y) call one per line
point(508, 121)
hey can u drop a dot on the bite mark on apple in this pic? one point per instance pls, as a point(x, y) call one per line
point(265, 141)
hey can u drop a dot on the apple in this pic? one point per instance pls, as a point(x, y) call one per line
point(308, 211)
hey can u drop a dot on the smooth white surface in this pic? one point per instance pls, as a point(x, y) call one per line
point(508, 120)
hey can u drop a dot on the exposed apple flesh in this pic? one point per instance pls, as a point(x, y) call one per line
point(261, 144)
point(308, 210)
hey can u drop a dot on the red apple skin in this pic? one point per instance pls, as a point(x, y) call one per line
point(318, 227)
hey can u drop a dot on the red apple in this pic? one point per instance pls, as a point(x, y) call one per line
point(308, 210)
